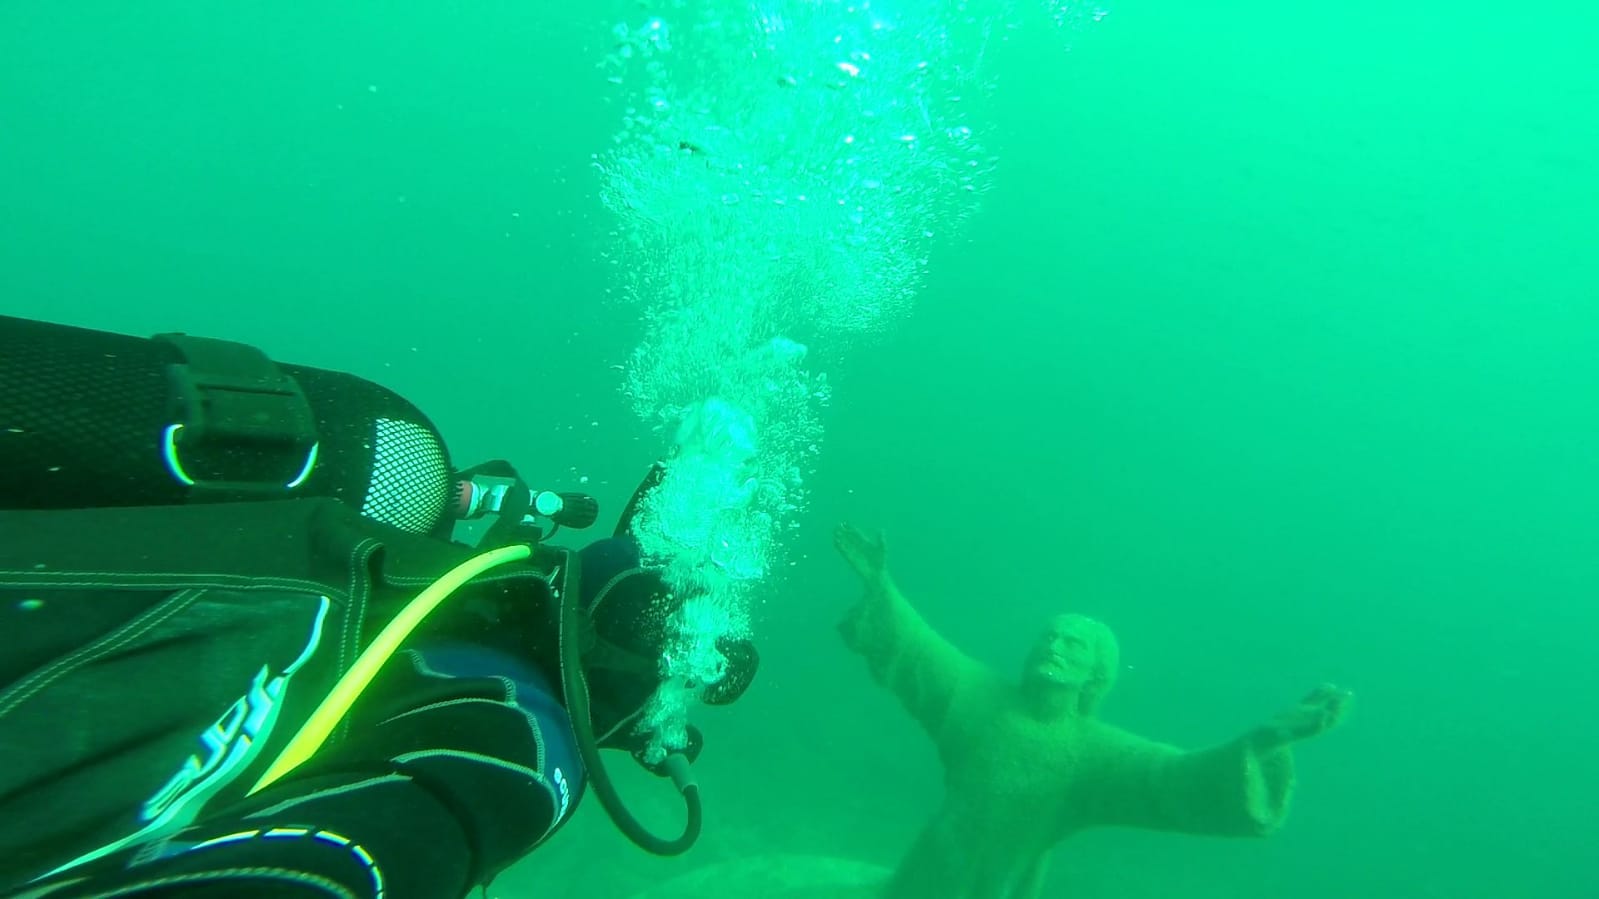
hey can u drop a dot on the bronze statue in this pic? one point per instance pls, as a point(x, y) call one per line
point(1027, 765)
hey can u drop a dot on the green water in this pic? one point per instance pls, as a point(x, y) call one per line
point(1272, 344)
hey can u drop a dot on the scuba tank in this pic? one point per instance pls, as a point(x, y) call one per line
point(91, 419)
point(96, 419)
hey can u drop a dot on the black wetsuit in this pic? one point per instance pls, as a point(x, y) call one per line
point(156, 660)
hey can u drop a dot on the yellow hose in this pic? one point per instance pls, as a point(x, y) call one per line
point(327, 716)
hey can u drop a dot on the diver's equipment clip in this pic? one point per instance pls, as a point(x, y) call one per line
point(493, 492)
point(483, 495)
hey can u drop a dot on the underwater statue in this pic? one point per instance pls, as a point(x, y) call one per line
point(1028, 764)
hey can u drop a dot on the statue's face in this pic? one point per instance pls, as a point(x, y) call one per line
point(1064, 655)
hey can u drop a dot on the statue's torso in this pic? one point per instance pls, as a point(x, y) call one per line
point(1011, 783)
point(1003, 765)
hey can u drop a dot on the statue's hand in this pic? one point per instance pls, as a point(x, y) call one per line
point(867, 555)
point(1321, 710)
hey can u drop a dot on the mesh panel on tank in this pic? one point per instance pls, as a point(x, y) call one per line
point(408, 469)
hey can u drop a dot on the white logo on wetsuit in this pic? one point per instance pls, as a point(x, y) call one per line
point(566, 793)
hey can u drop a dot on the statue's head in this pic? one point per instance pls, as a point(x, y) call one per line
point(1077, 654)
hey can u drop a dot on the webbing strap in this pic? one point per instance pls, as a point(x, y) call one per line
point(228, 400)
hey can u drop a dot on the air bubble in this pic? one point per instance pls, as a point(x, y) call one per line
point(818, 145)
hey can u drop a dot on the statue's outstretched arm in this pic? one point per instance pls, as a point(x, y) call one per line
point(903, 652)
point(1240, 788)
point(1236, 789)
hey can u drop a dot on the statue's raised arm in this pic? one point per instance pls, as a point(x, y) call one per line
point(903, 652)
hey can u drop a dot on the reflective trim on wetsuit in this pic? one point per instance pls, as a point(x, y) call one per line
point(457, 763)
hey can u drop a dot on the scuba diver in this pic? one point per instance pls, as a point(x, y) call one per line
point(258, 637)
